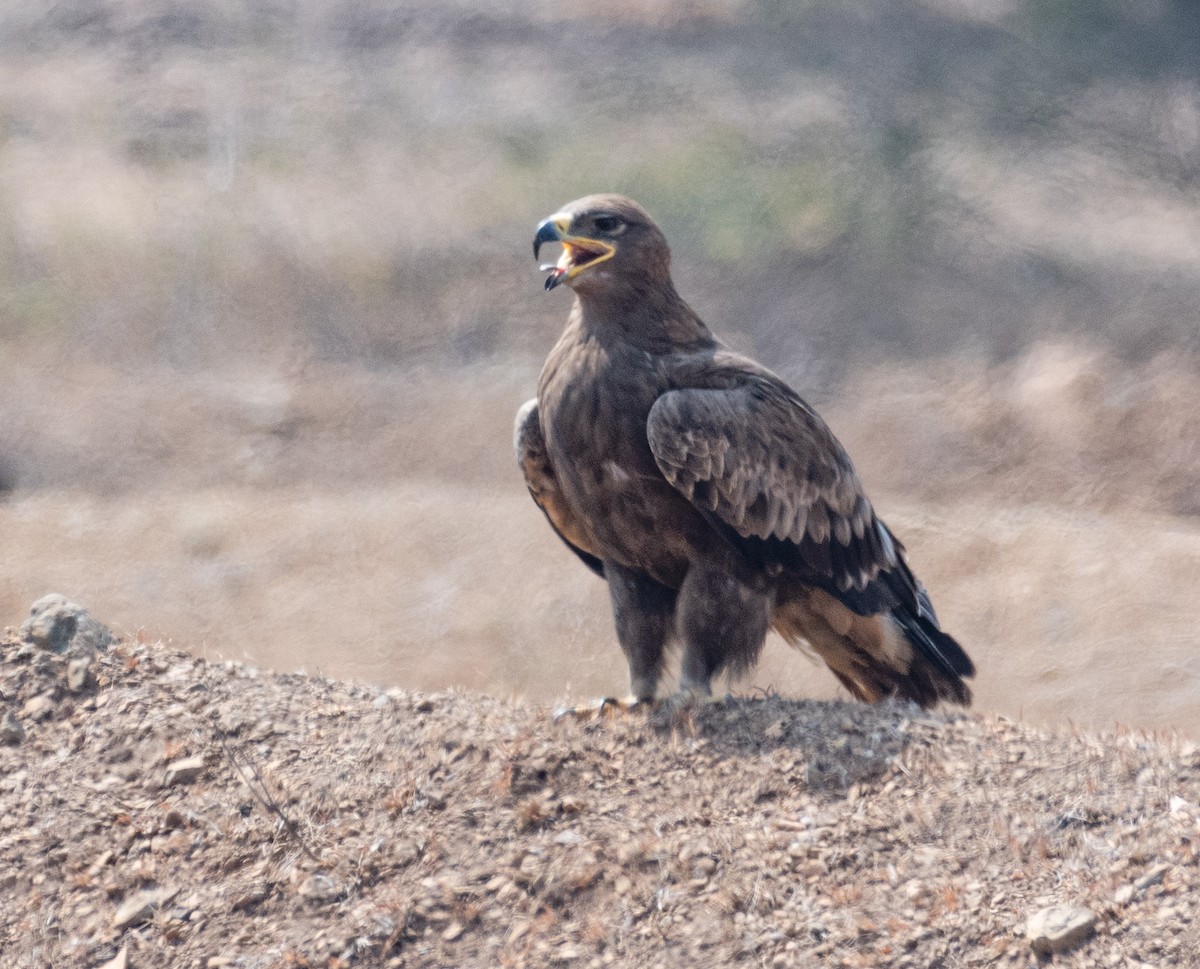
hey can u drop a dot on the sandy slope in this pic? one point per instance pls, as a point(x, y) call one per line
point(327, 824)
point(373, 525)
point(1071, 615)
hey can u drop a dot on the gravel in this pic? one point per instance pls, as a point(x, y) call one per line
point(179, 812)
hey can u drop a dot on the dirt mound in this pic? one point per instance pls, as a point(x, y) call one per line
point(164, 810)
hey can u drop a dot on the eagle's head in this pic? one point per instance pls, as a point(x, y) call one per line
point(608, 241)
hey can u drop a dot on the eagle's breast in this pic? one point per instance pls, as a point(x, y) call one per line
point(594, 400)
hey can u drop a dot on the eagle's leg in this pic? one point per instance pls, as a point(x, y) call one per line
point(723, 621)
point(644, 614)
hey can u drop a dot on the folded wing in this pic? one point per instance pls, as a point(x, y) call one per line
point(767, 472)
point(543, 486)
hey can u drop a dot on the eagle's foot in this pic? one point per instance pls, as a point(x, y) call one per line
point(603, 709)
point(677, 712)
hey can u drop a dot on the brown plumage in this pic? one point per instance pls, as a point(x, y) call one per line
point(715, 502)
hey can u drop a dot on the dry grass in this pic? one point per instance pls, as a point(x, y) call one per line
point(358, 182)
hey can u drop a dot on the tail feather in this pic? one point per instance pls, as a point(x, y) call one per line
point(938, 647)
point(901, 653)
point(939, 663)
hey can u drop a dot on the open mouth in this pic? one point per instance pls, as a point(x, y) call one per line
point(579, 253)
point(576, 256)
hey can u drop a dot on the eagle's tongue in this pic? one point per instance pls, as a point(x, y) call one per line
point(558, 272)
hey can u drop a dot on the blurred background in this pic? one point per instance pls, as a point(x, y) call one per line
point(268, 306)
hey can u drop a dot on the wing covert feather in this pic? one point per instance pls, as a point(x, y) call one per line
point(756, 457)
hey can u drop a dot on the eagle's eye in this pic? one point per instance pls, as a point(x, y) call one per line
point(607, 223)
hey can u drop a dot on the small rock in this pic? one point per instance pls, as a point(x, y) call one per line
point(101, 860)
point(1059, 928)
point(119, 961)
point(39, 707)
point(60, 626)
point(264, 729)
point(1152, 877)
point(173, 820)
point(11, 731)
point(184, 771)
point(453, 931)
point(405, 853)
point(319, 887)
point(567, 952)
point(139, 907)
point(250, 899)
point(79, 674)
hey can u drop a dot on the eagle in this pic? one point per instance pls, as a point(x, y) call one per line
point(713, 500)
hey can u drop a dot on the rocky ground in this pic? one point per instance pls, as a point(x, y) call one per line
point(160, 810)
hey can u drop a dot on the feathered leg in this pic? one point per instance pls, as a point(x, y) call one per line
point(723, 621)
point(644, 614)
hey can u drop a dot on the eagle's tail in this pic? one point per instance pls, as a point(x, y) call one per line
point(901, 653)
point(939, 665)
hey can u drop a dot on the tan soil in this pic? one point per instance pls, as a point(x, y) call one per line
point(330, 824)
point(374, 527)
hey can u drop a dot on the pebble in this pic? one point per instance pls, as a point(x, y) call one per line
point(139, 907)
point(1059, 928)
point(184, 771)
point(319, 887)
point(119, 961)
point(1152, 877)
point(39, 707)
point(98, 864)
point(79, 674)
point(11, 731)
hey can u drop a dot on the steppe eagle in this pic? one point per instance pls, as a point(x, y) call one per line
point(715, 502)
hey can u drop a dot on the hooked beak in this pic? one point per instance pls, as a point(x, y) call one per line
point(550, 230)
point(579, 253)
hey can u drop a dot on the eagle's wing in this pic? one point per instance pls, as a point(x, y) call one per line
point(543, 486)
point(758, 459)
point(769, 474)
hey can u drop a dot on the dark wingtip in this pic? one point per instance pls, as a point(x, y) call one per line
point(948, 662)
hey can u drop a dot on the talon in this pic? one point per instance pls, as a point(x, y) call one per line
point(602, 709)
point(678, 711)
